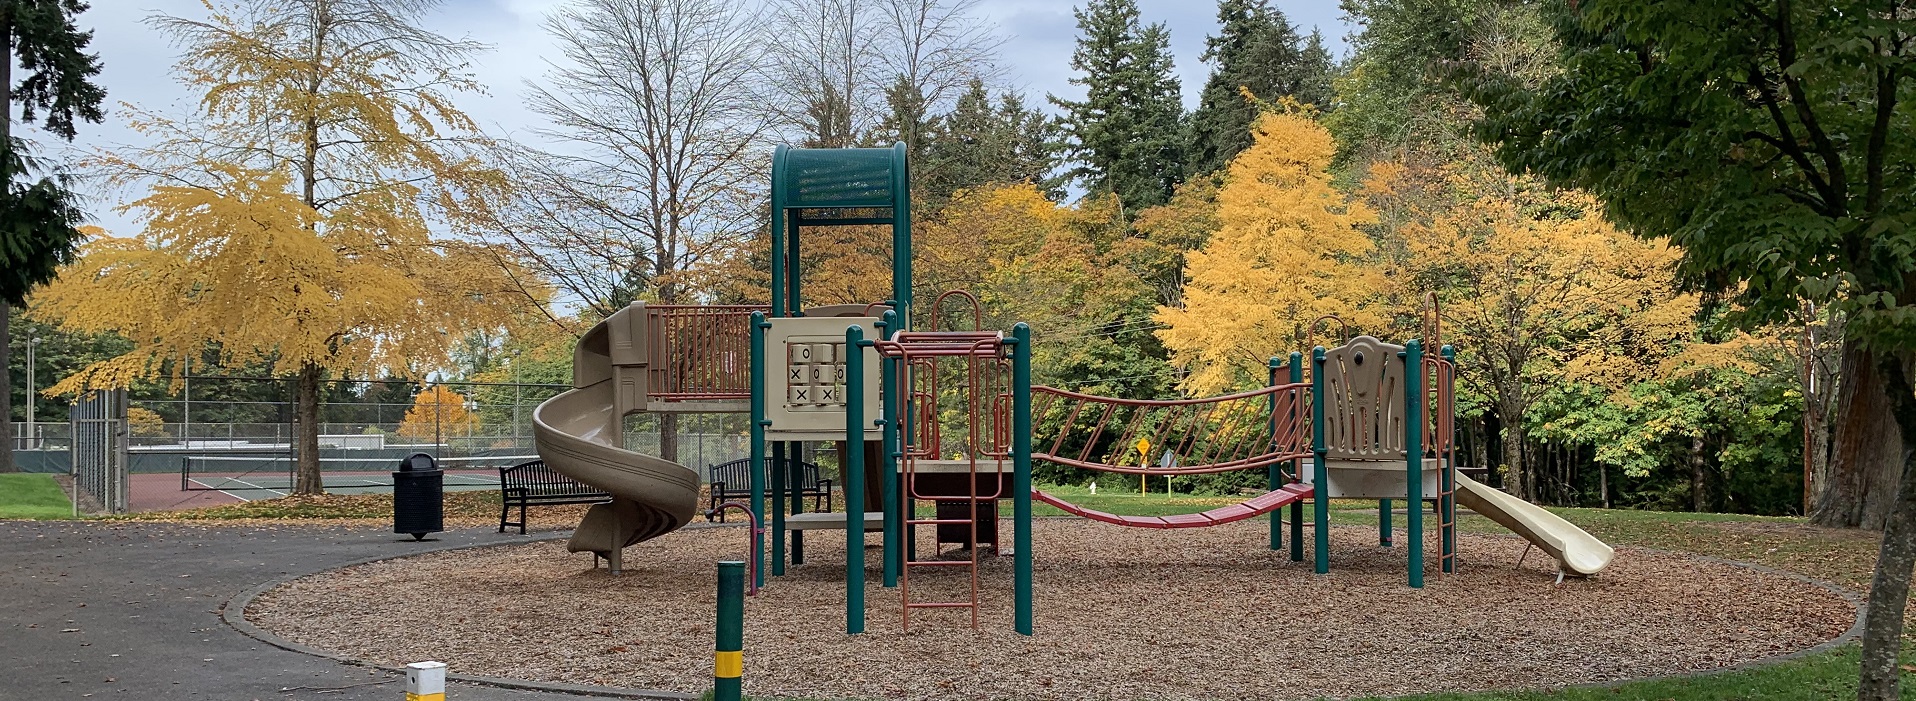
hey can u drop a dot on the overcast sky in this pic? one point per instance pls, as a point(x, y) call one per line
point(1038, 34)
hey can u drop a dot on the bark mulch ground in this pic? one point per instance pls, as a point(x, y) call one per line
point(1121, 614)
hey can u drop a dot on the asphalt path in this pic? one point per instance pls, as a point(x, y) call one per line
point(127, 610)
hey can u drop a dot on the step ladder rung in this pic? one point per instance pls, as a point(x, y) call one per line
point(931, 521)
point(942, 605)
point(938, 563)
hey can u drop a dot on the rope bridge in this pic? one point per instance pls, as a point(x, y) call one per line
point(1246, 430)
point(1231, 432)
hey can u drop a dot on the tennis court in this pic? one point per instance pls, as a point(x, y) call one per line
point(263, 477)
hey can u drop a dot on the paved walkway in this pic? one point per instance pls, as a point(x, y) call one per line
point(132, 611)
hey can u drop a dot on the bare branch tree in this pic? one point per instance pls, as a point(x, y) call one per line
point(822, 74)
point(649, 175)
point(937, 47)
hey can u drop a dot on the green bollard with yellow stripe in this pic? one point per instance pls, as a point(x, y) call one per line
point(728, 662)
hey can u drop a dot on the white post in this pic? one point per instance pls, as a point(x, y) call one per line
point(426, 681)
point(32, 395)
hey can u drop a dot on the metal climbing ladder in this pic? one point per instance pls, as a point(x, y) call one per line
point(925, 475)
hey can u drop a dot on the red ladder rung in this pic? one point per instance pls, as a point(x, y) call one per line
point(930, 521)
point(937, 563)
point(941, 605)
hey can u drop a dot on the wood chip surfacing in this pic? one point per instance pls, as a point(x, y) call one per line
point(1121, 614)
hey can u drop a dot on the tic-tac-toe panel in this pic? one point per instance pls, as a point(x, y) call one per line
point(805, 383)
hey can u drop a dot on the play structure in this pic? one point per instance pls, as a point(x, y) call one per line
point(936, 427)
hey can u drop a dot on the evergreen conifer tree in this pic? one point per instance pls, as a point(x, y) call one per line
point(980, 142)
point(1126, 132)
point(39, 216)
point(1256, 49)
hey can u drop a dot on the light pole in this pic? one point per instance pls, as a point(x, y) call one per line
point(32, 441)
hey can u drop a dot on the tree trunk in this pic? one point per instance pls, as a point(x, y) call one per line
point(1880, 675)
point(1518, 479)
point(669, 436)
point(1603, 482)
point(1866, 459)
point(1480, 443)
point(6, 390)
point(306, 478)
point(1699, 484)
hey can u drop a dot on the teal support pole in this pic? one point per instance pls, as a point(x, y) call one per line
point(855, 345)
point(1449, 501)
point(778, 510)
point(1414, 455)
point(778, 230)
point(1320, 470)
point(786, 454)
point(794, 304)
point(901, 236)
point(1275, 473)
point(777, 504)
point(728, 657)
point(1383, 523)
point(888, 464)
point(1297, 507)
point(1021, 473)
point(759, 325)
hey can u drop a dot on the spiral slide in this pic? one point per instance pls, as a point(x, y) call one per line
point(580, 433)
point(1576, 551)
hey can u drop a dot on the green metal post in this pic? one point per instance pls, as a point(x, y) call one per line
point(1320, 470)
point(888, 463)
point(778, 230)
point(728, 657)
point(1274, 478)
point(1383, 523)
point(776, 503)
point(855, 479)
point(794, 304)
point(1021, 473)
point(785, 455)
point(759, 325)
point(1414, 455)
point(1449, 501)
point(1297, 507)
point(901, 236)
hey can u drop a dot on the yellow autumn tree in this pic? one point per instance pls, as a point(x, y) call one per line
point(438, 412)
point(1536, 287)
point(1287, 251)
point(290, 221)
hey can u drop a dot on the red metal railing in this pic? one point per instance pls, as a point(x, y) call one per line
point(699, 352)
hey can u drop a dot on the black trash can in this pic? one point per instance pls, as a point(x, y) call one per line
point(419, 497)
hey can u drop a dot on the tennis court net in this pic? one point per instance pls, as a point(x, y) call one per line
point(276, 472)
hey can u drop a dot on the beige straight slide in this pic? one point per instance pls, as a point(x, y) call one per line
point(581, 434)
point(1576, 551)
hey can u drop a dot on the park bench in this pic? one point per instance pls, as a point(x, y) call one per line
point(534, 484)
point(731, 480)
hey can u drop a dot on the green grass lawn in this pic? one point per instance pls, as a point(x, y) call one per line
point(1829, 676)
point(32, 496)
